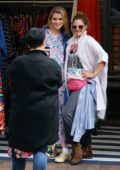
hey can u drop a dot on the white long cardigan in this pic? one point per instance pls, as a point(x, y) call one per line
point(91, 53)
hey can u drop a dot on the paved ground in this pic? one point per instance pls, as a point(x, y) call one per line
point(6, 165)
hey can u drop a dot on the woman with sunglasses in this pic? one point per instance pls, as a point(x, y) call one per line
point(86, 63)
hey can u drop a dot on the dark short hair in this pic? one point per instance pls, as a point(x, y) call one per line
point(34, 37)
point(82, 16)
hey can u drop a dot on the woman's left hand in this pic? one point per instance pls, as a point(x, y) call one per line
point(91, 74)
point(87, 74)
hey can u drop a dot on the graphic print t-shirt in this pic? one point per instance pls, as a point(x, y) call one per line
point(75, 67)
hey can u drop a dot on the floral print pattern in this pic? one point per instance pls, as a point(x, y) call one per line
point(17, 153)
point(57, 53)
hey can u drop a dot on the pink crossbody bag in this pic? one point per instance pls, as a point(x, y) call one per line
point(75, 84)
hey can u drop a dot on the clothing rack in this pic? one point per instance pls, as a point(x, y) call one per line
point(36, 2)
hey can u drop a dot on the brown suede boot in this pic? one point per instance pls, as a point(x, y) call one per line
point(87, 151)
point(76, 154)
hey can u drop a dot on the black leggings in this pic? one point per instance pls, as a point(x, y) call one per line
point(86, 138)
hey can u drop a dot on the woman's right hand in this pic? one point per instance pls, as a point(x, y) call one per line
point(87, 74)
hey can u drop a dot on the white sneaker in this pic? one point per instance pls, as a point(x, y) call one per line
point(63, 157)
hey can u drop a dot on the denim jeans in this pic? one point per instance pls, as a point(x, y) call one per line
point(39, 162)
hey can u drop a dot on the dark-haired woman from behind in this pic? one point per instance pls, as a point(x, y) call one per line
point(34, 113)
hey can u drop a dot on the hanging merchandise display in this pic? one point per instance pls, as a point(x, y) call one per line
point(3, 54)
point(2, 114)
point(17, 17)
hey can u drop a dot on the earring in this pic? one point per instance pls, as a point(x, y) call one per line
point(51, 27)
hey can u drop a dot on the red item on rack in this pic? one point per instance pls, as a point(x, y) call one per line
point(91, 9)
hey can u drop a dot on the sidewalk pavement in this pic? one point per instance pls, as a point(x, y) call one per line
point(6, 165)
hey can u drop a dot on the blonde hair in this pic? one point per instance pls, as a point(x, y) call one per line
point(62, 11)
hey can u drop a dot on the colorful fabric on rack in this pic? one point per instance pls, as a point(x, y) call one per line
point(2, 41)
point(44, 19)
point(2, 114)
point(3, 49)
point(37, 21)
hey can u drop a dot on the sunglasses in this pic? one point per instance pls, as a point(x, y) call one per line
point(74, 27)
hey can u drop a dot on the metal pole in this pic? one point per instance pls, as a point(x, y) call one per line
point(37, 2)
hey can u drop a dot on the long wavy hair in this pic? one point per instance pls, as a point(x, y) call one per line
point(62, 11)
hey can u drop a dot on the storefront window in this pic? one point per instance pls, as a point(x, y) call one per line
point(115, 8)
